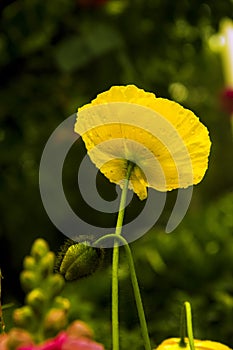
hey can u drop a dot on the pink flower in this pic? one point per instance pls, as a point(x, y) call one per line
point(64, 341)
point(81, 344)
point(51, 344)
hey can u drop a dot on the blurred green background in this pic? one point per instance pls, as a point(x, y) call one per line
point(58, 55)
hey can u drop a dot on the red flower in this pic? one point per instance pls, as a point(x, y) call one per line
point(227, 100)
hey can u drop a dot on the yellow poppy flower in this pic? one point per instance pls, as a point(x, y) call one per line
point(173, 344)
point(167, 143)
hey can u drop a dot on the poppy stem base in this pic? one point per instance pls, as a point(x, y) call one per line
point(186, 323)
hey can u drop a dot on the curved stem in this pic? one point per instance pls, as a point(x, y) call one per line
point(136, 289)
point(115, 261)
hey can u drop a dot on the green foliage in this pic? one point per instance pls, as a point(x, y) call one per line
point(194, 263)
point(76, 52)
point(56, 55)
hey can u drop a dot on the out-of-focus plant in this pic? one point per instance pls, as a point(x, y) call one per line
point(77, 335)
point(42, 323)
point(82, 51)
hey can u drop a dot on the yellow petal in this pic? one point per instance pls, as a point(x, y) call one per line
point(167, 142)
point(129, 93)
point(173, 344)
point(115, 170)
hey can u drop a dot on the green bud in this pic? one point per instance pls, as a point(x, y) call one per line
point(29, 263)
point(28, 280)
point(39, 248)
point(36, 299)
point(80, 260)
point(47, 263)
point(23, 317)
point(62, 303)
point(54, 284)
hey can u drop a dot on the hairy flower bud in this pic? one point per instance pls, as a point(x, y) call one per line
point(80, 260)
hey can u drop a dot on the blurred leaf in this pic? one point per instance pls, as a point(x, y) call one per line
point(77, 51)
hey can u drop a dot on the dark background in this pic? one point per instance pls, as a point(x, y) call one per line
point(58, 55)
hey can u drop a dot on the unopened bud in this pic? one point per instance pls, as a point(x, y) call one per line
point(80, 260)
point(55, 320)
point(29, 263)
point(79, 329)
point(47, 263)
point(54, 284)
point(62, 303)
point(23, 317)
point(28, 280)
point(39, 248)
point(36, 299)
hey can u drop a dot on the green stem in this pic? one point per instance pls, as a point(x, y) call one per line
point(115, 262)
point(138, 299)
point(136, 289)
point(187, 313)
point(189, 324)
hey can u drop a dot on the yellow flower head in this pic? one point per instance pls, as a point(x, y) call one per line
point(173, 344)
point(167, 143)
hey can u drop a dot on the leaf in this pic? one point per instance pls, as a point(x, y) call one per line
point(77, 51)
